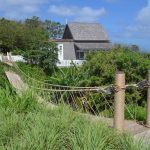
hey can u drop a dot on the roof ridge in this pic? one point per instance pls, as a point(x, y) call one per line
point(84, 22)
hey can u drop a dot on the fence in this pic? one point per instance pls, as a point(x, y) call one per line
point(61, 63)
point(67, 63)
point(10, 57)
point(120, 100)
point(84, 97)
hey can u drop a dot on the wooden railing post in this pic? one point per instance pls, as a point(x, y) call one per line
point(148, 102)
point(119, 101)
point(1, 58)
point(8, 56)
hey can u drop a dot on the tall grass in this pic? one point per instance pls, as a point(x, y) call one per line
point(26, 125)
point(32, 71)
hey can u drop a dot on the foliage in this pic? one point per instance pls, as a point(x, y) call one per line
point(100, 68)
point(27, 125)
point(66, 76)
point(138, 112)
point(10, 35)
point(46, 56)
point(33, 22)
point(55, 29)
point(34, 72)
point(29, 39)
point(104, 64)
point(18, 36)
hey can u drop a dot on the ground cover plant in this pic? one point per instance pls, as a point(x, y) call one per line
point(26, 124)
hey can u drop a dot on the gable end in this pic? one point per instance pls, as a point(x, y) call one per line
point(67, 33)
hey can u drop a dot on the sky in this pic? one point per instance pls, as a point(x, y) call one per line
point(126, 21)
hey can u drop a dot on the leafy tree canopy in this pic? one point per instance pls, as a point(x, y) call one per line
point(104, 64)
point(29, 38)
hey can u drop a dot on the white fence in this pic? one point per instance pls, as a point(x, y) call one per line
point(67, 63)
point(62, 63)
point(14, 58)
point(17, 58)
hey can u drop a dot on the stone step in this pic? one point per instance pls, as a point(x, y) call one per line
point(136, 129)
point(16, 81)
point(143, 136)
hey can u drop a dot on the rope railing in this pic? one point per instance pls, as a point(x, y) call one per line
point(106, 89)
point(104, 101)
point(70, 90)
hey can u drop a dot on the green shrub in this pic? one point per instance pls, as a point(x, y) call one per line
point(104, 64)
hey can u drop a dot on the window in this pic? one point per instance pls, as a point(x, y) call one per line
point(80, 55)
point(60, 52)
point(60, 47)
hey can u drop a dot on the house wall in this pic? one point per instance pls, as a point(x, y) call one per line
point(68, 50)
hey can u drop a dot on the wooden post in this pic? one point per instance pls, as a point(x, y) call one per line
point(7, 56)
point(148, 102)
point(1, 58)
point(119, 101)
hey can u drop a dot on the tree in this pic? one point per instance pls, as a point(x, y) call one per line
point(29, 39)
point(135, 47)
point(54, 29)
point(49, 56)
point(104, 64)
point(33, 22)
point(10, 31)
point(45, 55)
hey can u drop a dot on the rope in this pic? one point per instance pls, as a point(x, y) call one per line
point(55, 85)
point(64, 90)
point(118, 88)
point(106, 89)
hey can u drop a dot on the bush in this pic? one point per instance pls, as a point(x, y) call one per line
point(104, 65)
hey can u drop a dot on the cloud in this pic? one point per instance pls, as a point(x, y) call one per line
point(144, 15)
point(84, 14)
point(141, 27)
point(138, 31)
point(19, 9)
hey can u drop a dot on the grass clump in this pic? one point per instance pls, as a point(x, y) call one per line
point(34, 72)
point(25, 124)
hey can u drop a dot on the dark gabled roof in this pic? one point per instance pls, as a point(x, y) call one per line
point(87, 31)
point(93, 46)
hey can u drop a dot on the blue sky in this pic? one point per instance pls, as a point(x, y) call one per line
point(126, 21)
